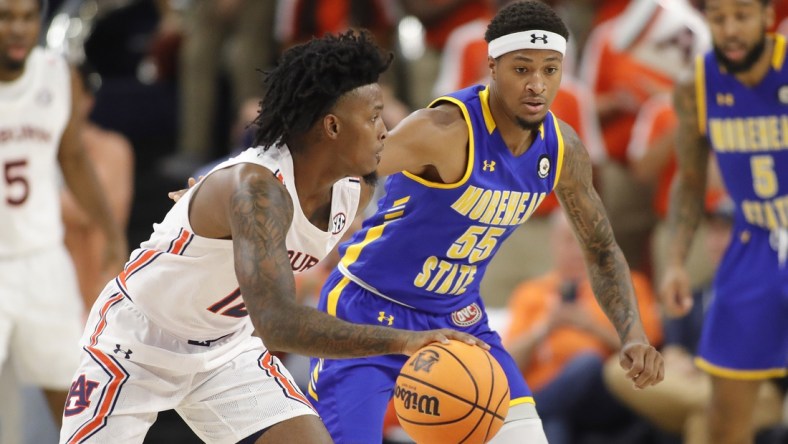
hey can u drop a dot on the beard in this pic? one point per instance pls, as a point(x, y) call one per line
point(746, 63)
point(371, 179)
point(529, 126)
point(13, 65)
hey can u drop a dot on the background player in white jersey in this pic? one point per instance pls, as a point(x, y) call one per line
point(173, 330)
point(40, 308)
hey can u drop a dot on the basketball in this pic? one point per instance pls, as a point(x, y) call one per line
point(455, 393)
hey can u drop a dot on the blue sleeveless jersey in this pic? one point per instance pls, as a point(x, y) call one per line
point(428, 245)
point(745, 332)
point(748, 129)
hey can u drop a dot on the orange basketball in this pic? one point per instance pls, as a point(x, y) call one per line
point(455, 393)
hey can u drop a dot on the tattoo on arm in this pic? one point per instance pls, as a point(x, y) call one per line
point(689, 187)
point(607, 268)
point(261, 214)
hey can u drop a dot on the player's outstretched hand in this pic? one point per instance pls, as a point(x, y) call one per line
point(675, 292)
point(643, 363)
point(419, 339)
point(176, 195)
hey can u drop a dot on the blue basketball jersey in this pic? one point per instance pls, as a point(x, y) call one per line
point(748, 129)
point(428, 245)
point(745, 334)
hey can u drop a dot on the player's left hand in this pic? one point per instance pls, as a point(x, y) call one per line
point(176, 195)
point(643, 363)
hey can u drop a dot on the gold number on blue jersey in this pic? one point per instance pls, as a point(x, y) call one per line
point(476, 244)
point(764, 179)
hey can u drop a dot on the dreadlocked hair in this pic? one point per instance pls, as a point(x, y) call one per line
point(525, 16)
point(309, 80)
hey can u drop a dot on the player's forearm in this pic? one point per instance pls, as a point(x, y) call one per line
point(83, 182)
point(306, 331)
point(612, 284)
point(684, 215)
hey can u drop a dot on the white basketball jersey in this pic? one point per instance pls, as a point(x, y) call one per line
point(34, 111)
point(186, 283)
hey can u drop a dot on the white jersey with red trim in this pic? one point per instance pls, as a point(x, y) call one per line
point(34, 111)
point(187, 284)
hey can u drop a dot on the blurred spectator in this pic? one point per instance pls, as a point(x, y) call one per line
point(113, 159)
point(218, 35)
point(678, 404)
point(297, 21)
point(560, 337)
point(439, 18)
point(627, 60)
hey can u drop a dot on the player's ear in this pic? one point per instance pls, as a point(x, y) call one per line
point(331, 126)
point(492, 65)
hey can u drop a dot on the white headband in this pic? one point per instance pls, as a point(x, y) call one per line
point(535, 39)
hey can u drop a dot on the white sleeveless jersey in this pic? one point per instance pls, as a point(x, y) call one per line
point(186, 283)
point(34, 111)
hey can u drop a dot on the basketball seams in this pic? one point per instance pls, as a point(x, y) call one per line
point(465, 367)
point(474, 425)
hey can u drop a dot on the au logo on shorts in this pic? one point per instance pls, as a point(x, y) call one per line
point(467, 316)
point(79, 396)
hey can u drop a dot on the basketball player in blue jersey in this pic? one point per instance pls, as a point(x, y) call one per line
point(736, 104)
point(474, 166)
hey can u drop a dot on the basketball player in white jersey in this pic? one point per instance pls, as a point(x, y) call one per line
point(40, 307)
point(174, 329)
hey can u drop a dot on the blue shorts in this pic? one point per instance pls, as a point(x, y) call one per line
point(352, 395)
point(745, 334)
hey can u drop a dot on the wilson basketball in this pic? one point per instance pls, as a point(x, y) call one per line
point(455, 393)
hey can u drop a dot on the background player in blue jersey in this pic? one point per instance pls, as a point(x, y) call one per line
point(736, 103)
point(474, 166)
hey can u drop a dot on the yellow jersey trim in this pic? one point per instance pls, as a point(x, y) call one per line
point(399, 202)
point(778, 54)
point(523, 400)
point(354, 251)
point(333, 296)
point(312, 386)
point(700, 93)
point(739, 374)
point(484, 97)
point(471, 150)
point(560, 156)
point(394, 215)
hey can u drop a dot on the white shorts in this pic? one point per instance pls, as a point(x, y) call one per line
point(131, 369)
point(41, 317)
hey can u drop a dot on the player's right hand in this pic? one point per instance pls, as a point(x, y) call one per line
point(675, 291)
point(418, 339)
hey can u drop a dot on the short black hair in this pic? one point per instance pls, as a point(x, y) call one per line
point(525, 16)
point(309, 80)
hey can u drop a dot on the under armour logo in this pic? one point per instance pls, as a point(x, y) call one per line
point(117, 350)
point(383, 318)
point(489, 165)
point(543, 38)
